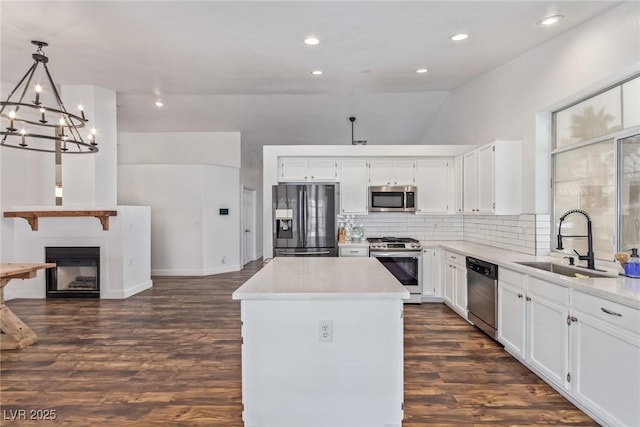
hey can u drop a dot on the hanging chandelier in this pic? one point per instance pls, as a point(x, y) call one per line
point(31, 125)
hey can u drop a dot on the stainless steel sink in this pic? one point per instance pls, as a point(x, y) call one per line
point(563, 269)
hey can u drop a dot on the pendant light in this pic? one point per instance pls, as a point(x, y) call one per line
point(353, 141)
point(37, 127)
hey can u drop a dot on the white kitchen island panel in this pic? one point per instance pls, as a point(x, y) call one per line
point(295, 373)
point(291, 378)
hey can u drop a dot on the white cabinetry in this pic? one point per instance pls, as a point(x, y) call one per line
point(585, 346)
point(512, 311)
point(493, 178)
point(606, 358)
point(353, 250)
point(433, 186)
point(455, 282)
point(485, 178)
point(353, 187)
point(392, 172)
point(532, 324)
point(470, 182)
point(448, 281)
point(458, 182)
point(300, 169)
point(547, 330)
point(430, 282)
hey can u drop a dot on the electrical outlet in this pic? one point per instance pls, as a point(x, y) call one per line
point(325, 330)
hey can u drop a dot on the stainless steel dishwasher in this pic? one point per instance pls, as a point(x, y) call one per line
point(482, 295)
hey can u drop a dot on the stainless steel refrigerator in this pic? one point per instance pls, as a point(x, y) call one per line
point(304, 219)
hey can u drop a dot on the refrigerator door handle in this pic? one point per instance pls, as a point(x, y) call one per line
point(305, 214)
point(301, 219)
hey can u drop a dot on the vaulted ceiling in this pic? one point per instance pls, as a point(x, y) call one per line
point(243, 66)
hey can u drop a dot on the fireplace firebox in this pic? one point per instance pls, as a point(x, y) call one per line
point(77, 273)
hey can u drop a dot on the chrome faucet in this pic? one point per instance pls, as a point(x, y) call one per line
point(589, 257)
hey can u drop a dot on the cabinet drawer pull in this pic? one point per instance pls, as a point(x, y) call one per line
point(613, 313)
point(519, 295)
point(353, 251)
point(528, 298)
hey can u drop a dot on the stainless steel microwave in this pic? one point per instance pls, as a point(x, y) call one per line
point(388, 198)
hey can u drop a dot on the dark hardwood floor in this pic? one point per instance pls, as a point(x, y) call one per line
point(171, 356)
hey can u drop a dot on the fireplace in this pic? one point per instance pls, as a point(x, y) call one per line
point(77, 273)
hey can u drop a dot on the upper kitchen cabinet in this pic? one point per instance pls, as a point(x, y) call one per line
point(353, 187)
point(470, 172)
point(493, 178)
point(458, 180)
point(300, 169)
point(432, 182)
point(392, 172)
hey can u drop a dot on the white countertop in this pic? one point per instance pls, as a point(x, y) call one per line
point(623, 290)
point(322, 278)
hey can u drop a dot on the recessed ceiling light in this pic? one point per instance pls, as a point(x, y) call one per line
point(460, 36)
point(158, 103)
point(317, 72)
point(311, 41)
point(421, 70)
point(550, 20)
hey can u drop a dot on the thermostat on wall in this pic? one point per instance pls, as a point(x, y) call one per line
point(224, 211)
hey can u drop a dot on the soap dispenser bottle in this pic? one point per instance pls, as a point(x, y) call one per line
point(632, 267)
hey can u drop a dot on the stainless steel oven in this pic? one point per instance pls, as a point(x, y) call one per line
point(403, 258)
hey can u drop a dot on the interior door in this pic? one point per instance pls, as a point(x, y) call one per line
point(248, 225)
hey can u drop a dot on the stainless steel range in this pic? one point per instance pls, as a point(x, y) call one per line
point(402, 256)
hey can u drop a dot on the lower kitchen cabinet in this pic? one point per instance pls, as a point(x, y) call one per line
point(532, 324)
point(585, 346)
point(460, 290)
point(449, 280)
point(430, 279)
point(606, 358)
point(512, 314)
point(353, 250)
point(455, 282)
point(548, 334)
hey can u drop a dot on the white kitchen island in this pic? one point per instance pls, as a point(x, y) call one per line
point(322, 344)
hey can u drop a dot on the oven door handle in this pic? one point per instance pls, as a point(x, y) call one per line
point(396, 254)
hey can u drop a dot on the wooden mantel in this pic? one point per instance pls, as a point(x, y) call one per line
point(32, 216)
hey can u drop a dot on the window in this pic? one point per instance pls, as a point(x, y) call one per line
point(630, 192)
point(597, 169)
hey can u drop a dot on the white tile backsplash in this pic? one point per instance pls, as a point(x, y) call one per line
point(529, 234)
point(512, 232)
point(431, 227)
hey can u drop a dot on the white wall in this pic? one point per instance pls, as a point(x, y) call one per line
point(187, 148)
point(185, 178)
point(91, 179)
point(511, 100)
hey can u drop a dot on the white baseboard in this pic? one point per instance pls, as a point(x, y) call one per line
point(223, 269)
point(195, 272)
